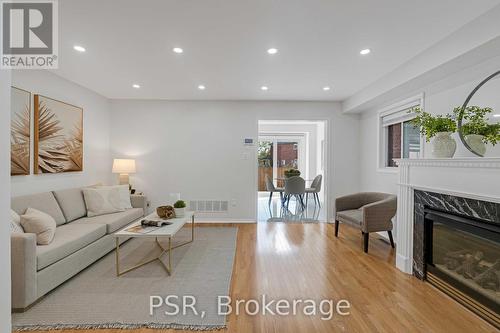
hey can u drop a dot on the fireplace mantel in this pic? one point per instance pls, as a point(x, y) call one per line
point(474, 178)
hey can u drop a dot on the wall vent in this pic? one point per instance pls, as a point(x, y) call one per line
point(208, 206)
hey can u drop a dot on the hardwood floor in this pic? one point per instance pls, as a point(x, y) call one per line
point(306, 261)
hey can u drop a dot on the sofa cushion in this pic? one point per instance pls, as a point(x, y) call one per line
point(44, 202)
point(353, 216)
point(113, 221)
point(15, 223)
point(102, 200)
point(71, 203)
point(68, 239)
point(40, 224)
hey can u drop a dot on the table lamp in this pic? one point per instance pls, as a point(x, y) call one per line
point(124, 167)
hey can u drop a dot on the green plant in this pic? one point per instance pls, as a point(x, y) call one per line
point(180, 204)
point(475, 122)
point(291, 173)
point(431, 125)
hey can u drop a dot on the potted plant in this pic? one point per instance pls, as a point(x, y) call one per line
point(438, 127)
point(291, 173)
point(476, 129)
point(180, 208)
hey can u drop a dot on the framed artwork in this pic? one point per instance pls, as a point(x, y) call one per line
point(58, 136)
point(20, 131)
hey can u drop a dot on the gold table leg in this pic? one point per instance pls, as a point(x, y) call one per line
point(164, 251)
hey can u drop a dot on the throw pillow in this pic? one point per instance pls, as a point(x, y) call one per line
point(124, 191)
point(102, 200)
point(39, 223)
point(15, 223)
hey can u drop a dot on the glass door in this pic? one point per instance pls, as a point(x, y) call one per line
point(265, 160)
point(277, 153)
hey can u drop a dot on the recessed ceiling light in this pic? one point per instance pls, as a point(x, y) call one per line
point(201, 87)
point(79, 48)
point(136, 86)
point(326, 88)
point(272, 50)
point(365, 51)
point(496, 115)
point(177, 50)
point(264, 88)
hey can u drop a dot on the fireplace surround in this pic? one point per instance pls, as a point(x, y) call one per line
point(461, 187)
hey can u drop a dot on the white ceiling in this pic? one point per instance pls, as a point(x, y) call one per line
point(225, 43)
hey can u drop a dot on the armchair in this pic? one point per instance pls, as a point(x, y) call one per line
point(367, 211)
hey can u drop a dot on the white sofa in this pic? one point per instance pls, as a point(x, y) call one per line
point(78, 242)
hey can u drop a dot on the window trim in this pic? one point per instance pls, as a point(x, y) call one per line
point(382, 152)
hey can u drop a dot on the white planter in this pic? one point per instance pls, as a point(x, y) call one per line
point(443, 145)
point(476, 143)
point(180, 212)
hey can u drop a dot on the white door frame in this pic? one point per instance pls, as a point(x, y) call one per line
point(328, 161)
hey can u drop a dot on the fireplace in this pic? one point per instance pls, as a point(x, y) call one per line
point(457, 249)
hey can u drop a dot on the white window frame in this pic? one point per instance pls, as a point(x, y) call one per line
point(382, 152)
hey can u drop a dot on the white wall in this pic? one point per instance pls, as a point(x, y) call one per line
point(97, 161)
point(196, 148)
point(437, 103)
point(5, 77)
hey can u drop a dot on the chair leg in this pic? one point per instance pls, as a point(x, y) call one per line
point(307, 198)
point(389, 232)
point(365, 241)
point(302, 202)
point(317, 198)
point(336, 228)
point(281, 198)
point(270, 198)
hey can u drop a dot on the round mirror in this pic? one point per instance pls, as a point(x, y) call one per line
point(479, 117)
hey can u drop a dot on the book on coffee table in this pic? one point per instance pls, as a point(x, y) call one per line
point(147, 226)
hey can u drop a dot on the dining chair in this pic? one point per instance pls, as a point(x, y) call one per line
point(315, 189)
point(295, 187)
point(271, 189)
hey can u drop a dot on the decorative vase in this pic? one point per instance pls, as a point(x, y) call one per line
point(165, 212)
point(475, 141)
point(443, 145)
point(180, 212)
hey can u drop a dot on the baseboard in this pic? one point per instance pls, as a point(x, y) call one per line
point(404, 264)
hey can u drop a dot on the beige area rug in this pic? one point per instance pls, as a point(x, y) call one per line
point(96, 298)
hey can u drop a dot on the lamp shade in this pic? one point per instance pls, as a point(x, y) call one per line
point(123, 166)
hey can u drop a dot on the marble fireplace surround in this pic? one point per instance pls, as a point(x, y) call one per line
point(467, 185)
point(483, 210)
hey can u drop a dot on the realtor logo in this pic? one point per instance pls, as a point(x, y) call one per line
point(29, 34)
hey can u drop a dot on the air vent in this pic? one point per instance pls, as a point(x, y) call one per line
point(206, 206)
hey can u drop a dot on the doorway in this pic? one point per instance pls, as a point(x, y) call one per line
point(285, 145)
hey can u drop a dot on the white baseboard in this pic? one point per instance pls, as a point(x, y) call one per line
point(404, 264)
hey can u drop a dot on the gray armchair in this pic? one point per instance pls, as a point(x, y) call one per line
point(367, 211)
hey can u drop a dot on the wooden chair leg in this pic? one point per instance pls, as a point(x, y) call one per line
point(389, 232)
point(336, 228)
point(270, 198)
point(365, 241)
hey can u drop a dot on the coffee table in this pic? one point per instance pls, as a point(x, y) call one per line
point(167, 231)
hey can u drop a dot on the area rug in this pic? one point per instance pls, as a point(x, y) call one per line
point(96, 298)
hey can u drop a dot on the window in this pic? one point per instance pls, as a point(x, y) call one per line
point(398, 138)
